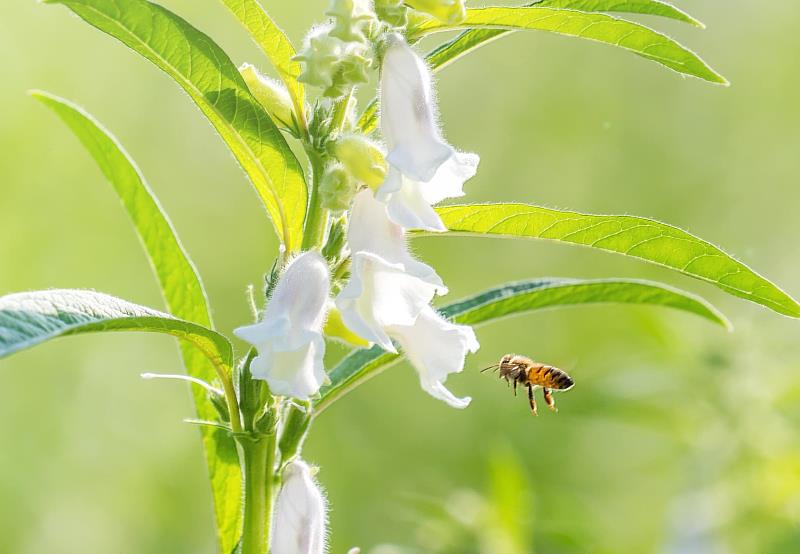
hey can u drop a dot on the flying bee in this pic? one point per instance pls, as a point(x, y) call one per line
point(520, 370)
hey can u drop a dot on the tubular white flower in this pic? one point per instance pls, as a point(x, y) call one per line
point(426, 169)
point(300, 513)
point(289, 337)
point(436, 348)
point(387, 285)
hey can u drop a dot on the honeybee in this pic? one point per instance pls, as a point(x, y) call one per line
point(520, 370)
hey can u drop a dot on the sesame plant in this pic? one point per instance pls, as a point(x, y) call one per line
point(346, 185)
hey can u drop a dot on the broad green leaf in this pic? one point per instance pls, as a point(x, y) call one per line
point(183, 292)
point(31, 318)
point(470, 40)
point(206, 73)
point(599, 27)
point(275, 45)
point(519, 298)
point(639, 237)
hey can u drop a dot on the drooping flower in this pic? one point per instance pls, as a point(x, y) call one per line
point(436, 348)
point(289, 337)
point(425, 168)
point(387, 285)
point(300, 513)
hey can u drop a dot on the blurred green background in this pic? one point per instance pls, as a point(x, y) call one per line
point(678, 437)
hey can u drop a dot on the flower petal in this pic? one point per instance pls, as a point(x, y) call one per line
point(300, 513)
point(408, 118)
point(436, 348)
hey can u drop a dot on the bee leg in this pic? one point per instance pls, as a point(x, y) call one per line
point(531, 400)
point(548, 397)
point(515, 387)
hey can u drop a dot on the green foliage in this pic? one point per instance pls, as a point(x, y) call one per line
point(647, 7)
point(30, 318)
point(181, 287)
point(275, 45)
point(599, 27)
point(639, 237)
point(515, 299)
point(206, 73)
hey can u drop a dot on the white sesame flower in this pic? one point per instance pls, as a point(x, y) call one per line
point(387, 285)
point(300, 513)
point(436, 348)
point(426, 169)
point(289, 337)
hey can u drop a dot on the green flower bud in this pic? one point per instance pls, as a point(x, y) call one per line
point(362, 158)
point(393, 12)
point(321, 57)
point(450, 12)
point(351, 18)
point(271, 94)
point(337, 188)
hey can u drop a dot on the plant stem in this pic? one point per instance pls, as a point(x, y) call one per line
point(317, 216)
point(258, 463)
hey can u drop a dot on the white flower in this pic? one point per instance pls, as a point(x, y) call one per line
point(289, 337)
point(387, 285)
point(426, 169)
point(436, 348)
point(300, 513)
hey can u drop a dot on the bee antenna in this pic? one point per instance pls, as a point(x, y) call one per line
point(495, 366)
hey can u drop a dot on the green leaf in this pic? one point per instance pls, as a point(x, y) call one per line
point(206, 73)
point(599, 27)
point(646, 7)
point(182, 290)
point(275, 45)
point(31, 318)
point(515, 299)
point(639, 237)
point(470, 40)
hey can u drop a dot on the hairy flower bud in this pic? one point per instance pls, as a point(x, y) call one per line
point(351, 17)
point(289, 337)
point(362, 158)
point(336, 188)
point(300, 513)
point(393, 12)
point(450, 12)
point(271, 94)
point(333, 64)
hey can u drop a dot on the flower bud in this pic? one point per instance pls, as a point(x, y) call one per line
point(271, 94)
point(393, 12)
point(450, 12)
point(320, 57)
point(336, 188)
point(351, 17)
point(362, 158)
point(300, 513)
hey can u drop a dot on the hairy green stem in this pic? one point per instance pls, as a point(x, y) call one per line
point(258, 465)
point(317, 216)
point(296, 422)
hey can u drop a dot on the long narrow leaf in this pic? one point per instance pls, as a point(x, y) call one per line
point(638, 237)
point(182, 290)
point(599, 27)
point(470, 40)
point(515, 299)
point(206, 73)
point(31, 318)
point(275, 45)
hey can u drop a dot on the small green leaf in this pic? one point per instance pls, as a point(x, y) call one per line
point(275, 45)
point(182, 290)
point(639, 237)
point(206, 73)
point(31, 318)
point(599, 27)
point(515, 299)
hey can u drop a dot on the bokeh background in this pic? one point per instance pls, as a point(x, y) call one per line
point(678, 437)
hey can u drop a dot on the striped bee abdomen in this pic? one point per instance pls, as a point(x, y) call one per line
point(549, 377)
